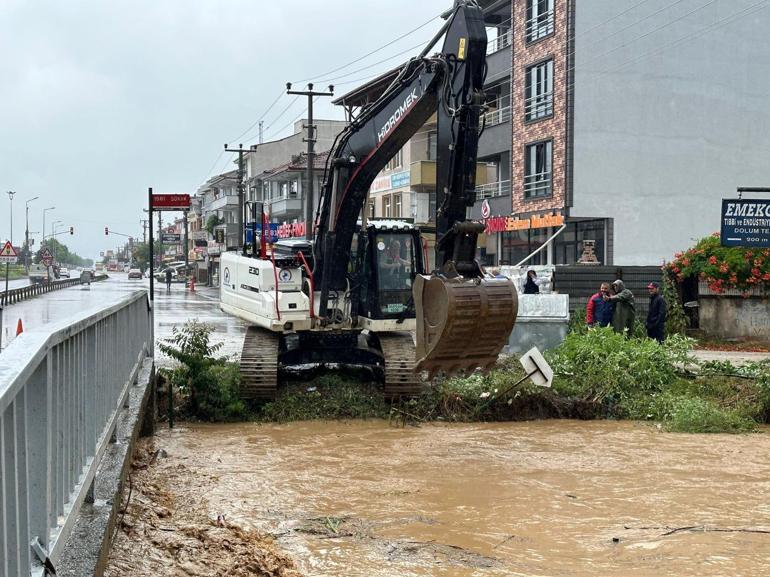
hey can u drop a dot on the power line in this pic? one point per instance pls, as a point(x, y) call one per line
point(404, 35)
point(265, 113)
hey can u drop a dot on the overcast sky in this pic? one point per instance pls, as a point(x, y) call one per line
point(101, 99)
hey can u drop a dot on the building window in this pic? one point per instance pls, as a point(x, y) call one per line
point(538, 159)
point(538, 95)
point(539, 19)
point(371, 209)
point(397, 161)
point(387, 206)
point(293, 187)
point(397, 205)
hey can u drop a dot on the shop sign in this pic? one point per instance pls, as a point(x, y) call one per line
point(400, 179)
point(497, 224)
point(291, 229)
point(380, 183)
point(745, 222)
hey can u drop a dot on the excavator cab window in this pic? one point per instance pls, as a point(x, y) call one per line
point(396, 268)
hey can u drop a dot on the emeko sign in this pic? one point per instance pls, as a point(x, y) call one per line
point(745, 222)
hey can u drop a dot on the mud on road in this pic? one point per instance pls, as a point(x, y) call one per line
point(369, 499)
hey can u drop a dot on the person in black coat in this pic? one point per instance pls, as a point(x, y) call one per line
point(656, 314)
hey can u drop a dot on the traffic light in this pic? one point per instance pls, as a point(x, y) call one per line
point(106, 230)
point(72, 230)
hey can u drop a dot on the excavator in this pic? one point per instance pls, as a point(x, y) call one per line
point(359, 293)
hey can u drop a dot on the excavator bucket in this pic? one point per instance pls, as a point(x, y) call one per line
point(462, 324)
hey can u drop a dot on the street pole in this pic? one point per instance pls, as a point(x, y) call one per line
point(186, 247)
point(310, 152)
point(144, 230)
point(241, 172)
point(26, 235)
point(160, 241)
point(8, 265)
point(42, 242)
point(152, 254)
point(53, 237)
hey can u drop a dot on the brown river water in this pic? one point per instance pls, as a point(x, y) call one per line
point(367, 498)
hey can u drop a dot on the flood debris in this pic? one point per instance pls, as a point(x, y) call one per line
point(161, 537)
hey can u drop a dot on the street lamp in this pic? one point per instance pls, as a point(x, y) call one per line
point(26, 235)
point(10, 196)
point(44, 211)
point(53, 234)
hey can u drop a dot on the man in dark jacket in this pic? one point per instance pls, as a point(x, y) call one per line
point(625, 310)
point(656, 315)
point(599, 311)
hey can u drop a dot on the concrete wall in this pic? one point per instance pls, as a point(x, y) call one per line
point(735, 317)
point(666, 125)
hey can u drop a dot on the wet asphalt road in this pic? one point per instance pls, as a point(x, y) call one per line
point(172, 308)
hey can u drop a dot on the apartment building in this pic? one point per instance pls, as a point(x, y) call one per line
point(629, 124)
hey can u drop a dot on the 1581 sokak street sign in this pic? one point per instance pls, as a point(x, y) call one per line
point(745, 222)
point(170, 202)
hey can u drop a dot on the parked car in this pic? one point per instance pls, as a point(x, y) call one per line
point(134, 273)
point(64, 272)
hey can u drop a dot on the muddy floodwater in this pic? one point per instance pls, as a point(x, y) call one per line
point(366, 498)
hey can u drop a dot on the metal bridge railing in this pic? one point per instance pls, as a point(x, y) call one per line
point(33, 290)
point(61, 392)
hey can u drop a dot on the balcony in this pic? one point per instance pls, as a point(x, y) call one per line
point(222, 202)
point(496, 116)
point(281, 207)
point(493, 189)
point(423, 175)
point(499, 43)
point(538, 106)
point(540, 26)
point(537, 185)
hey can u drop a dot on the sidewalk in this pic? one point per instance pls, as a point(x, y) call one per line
point(735, 357)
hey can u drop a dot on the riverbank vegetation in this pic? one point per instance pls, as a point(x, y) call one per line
point(598, 374)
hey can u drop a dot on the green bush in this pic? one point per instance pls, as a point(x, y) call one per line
point(327, 397)
point(605, 366)
point(211, 385)
point(696, 415)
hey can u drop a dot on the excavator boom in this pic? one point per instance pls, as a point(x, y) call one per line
point(463, 319)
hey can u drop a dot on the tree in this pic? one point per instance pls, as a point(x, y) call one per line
point(213, 221)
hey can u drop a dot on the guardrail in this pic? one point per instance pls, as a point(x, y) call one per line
point(33, 290)
point(61, 393)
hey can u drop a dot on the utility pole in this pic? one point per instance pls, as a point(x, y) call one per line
point(144, 222)
point(241, 171)
point(310, 153)
point(261, 122)
point(44, 211)
point(26, 235)
point(186, 247)
point(160, 241)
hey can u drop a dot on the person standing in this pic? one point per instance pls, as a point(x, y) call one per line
point(168, 279)
point(599, 311)
point(625, 310)
point(531, 286)
point(656, 314)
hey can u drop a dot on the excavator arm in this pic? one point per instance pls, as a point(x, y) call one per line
point(463, 319)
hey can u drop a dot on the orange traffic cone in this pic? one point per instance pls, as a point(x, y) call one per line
point(19, 328)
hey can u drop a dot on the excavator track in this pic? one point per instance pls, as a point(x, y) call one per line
point(259, 364)
point(400, 378)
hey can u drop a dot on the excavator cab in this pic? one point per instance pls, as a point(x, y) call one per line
point(389, 258)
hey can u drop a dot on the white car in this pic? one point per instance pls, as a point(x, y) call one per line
point(64, 272)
